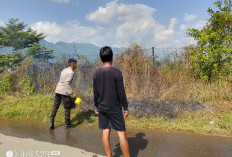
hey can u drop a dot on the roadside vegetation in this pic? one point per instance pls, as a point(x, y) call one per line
point(38, 108)
point(197, 74)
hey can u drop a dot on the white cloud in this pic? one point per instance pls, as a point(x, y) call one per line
point(190, 17)
point(117, 24)
point(199, 24)
point(69, 32)
point(131, 22)
point(48, 28)
point(61, 1)
point(181, 35)
point(164, 34)
point(183, 27)
point(115, 13)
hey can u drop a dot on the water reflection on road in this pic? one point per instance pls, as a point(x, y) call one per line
point(143, 143)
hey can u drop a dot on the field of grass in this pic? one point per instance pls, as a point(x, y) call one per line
point(38, 108)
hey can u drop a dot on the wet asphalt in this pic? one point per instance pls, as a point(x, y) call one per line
point(142, 143)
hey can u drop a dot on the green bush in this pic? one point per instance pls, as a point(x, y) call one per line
point(5, 84)
point(27, 85)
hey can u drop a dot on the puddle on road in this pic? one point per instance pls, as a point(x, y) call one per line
point(143, 143)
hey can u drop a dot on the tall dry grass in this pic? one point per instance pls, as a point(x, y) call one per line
point(173, 81)
point(140, 76)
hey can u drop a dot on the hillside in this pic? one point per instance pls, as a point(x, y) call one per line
point(62, 48)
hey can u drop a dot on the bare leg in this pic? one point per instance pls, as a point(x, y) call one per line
point(106, 142)
point(124, 143)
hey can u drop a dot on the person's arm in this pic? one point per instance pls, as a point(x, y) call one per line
point(121, 91)
point(69, 78)
point(95, 92)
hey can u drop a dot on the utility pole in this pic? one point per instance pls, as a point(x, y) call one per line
point(153, 56)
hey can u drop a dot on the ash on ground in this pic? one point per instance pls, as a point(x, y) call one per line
point(153, 108)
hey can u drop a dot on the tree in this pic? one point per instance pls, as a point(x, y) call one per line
point(15, 35)
point(213, 55)
point(37, 51)
point(10, 60)
point(25, 42)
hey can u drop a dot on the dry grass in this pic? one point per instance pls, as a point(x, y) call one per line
point(218, 95)
point(171, 81)
point(140, 76)
point(174, 80)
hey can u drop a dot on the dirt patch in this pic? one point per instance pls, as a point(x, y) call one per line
point(153, 108)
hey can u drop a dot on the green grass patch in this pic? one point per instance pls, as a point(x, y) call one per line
point(201, 122)
point(38, 108)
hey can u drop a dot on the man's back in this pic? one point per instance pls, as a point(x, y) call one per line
point(63, 87)
point(109, 92)
point(109, 98)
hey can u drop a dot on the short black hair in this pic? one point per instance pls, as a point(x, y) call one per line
point(106, 54)
point(72, 61)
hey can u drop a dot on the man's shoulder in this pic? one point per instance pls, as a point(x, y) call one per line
point(68, 70)
point(116, 70)
point(111, 68)
point(97, 71)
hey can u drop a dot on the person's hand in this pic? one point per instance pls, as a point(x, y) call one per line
point(126, 113)
point(96, 112)
point(73, 95)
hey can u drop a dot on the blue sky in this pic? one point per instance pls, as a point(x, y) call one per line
point(116, 23)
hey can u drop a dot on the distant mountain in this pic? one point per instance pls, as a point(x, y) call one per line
point(69, 49)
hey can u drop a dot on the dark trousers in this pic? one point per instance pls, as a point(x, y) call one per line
point(66, 102)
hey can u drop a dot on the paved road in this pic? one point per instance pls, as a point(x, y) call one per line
point(143, 143)
point(27, 147)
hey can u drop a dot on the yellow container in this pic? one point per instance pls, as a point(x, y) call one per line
point(78, 101)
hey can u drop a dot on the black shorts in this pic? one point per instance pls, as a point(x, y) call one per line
point(111, 121)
